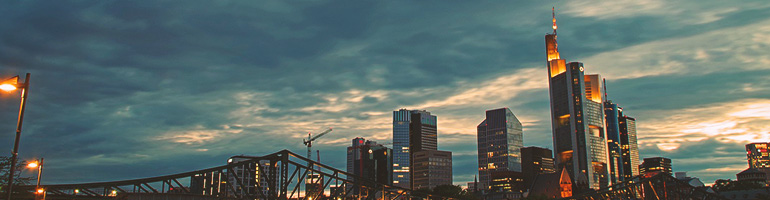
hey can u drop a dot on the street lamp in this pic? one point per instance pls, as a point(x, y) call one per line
point(39, 165)
point(8, 86)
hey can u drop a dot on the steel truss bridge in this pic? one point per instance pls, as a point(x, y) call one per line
point(660, 186)
point(281, 175)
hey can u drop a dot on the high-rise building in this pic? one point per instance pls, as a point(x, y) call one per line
point(577, 118)
point(431, 168)
point(401, 156)
point(371, 161)
point(628, 145)
point(611, 114)
point(655, 165)
point(499, 140)
point(534, 161)
point(758, 155)
point(417, 162)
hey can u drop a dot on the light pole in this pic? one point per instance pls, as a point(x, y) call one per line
point(39, 165)
point(11, 85)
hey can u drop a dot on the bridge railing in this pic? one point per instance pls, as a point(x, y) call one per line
point(281, 175)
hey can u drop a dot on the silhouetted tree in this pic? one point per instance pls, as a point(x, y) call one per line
point(5, 166)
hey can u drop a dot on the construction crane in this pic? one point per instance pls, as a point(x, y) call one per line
point(309, 141)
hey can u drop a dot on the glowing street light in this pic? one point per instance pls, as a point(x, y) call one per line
point(39, 166)
point(8, 86)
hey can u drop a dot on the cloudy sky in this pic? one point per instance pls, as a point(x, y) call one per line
point(124, 90)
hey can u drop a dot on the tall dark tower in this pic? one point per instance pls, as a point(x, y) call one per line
point(577, 119)
point(500, 139)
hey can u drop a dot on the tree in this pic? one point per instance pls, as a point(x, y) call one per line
point(5, 166)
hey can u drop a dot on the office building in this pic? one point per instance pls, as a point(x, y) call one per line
point(370, 161)
point(628, 145)
point(499, 138)
point(577, 118)
point(251, 176)
point(652, 166)
point(758, 155)
point(534, 161)
point(403, 127)
point(611, 115)
point(431, 168)
point(418, 163)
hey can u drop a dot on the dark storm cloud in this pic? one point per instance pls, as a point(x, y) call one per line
point(126, 86)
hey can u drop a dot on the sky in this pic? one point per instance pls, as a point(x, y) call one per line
point(123, 89)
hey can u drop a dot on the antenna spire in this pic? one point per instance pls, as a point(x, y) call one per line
point(553, 14)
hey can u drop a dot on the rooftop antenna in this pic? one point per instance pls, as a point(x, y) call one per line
point(553, 14)
point(604, 84)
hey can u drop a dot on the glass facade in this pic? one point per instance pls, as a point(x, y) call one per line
point(577, 118)
point(401, 120)
point(499, 139)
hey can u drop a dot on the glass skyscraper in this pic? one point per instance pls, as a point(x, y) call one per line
point(628, 145)
point(500, 139)
point(401, 119)
point(577, 119)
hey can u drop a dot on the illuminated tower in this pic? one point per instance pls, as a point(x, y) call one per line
point(499, 140)
point(577, 119)
point(758, 155)
point(629, 149)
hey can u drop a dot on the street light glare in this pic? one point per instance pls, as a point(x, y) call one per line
point(7, 87)
point(40, 191)
point(32, 165)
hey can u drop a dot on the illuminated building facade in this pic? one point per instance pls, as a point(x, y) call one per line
point(534, 161)
point(500, 139)
point(628, 145)
point(415, 131)
point(401, 119)
point(577, 118)
point(655, 165)
point(758, 155)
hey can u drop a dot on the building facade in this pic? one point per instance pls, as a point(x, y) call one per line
point(401, 119)
point(611, 114)
point(499, 141)
point(758, 155)
point(655, 165)
point(370, 161)
point(417, 161)
point(534, 161)
point(628, 145)
point(577, 118)
point(431, 168)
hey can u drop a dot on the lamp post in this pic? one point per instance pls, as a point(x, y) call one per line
point(11, 85)
point(39, 165)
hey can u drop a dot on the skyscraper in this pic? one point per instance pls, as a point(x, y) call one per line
point(534, 161)
point(370, 160)
point(628, 146)
point(613, 141)
point(415, 139)
point(499, 140)
point(401, 119)
point(577, 118)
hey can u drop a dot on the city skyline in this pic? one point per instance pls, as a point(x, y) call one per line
point(121, 88)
